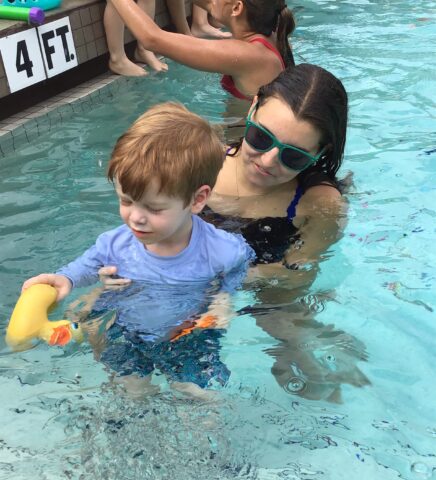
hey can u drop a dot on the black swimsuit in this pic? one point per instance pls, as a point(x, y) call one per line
point(269, 237)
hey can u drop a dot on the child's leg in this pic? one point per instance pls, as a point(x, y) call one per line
point(118, 61)
point(201, 27)
point(178, 16)
point(142, 54)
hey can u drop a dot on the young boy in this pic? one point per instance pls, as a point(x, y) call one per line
point(163, 168)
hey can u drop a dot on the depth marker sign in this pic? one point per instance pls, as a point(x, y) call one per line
point(25, 54)
point(57, 46)
point(22, 59)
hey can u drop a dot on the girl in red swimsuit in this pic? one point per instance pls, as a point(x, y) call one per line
point(257, 53)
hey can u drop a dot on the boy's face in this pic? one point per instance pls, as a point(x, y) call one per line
point(161, 223)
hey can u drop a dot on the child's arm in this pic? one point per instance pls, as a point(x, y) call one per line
point(218, 315)
point(60, 282)
point(81, 272)
point(221, 309)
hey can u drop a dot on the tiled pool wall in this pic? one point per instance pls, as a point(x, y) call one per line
point(27, 125)
point(86, 19)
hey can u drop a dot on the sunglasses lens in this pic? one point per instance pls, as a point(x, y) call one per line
point(258, 139)
point(295, 160)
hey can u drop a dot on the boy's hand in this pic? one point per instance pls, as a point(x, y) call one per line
point(61, 283)
point(106, 275)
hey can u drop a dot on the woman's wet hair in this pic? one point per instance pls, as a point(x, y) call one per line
point(319, 98)
point(268, 16)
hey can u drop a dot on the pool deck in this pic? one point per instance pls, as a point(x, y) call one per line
point(26, 113)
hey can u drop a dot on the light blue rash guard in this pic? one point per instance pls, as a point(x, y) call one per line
point(211, 253)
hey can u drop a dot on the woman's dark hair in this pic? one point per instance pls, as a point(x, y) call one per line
point(319, 98)
point(268, 16)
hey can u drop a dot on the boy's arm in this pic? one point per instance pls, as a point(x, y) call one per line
point(83, 271)
point(218, 315)
point(221, 310)
point(80, 272)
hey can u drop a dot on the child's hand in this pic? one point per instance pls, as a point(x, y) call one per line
point(106, 277)
point(61, 283)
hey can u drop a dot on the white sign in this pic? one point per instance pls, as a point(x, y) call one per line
point(22, 59)
point(57, 46)
point(25, 54)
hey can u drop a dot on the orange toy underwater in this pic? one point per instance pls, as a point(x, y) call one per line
point(29, 320)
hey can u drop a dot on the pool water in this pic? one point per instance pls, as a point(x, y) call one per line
point(352, 395)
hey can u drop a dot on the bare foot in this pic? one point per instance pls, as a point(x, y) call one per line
point(148, 57)
point(207, 30)
point(127, 68)
point(195, 392)
point(214, 22)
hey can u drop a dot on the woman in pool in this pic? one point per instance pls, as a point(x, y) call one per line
point(278, 188)
point(260, 30)
point(280, 179)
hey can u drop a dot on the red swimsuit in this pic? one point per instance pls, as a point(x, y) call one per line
point(227, 80)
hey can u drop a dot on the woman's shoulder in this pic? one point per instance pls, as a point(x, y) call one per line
point(318, 186)
point(322, 192)
point(324, 200)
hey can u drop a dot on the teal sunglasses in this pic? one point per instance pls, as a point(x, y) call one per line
point(263, 141)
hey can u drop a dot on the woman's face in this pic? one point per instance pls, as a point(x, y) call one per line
point(265, 169)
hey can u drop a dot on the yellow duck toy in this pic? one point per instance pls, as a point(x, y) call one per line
point(29, 320)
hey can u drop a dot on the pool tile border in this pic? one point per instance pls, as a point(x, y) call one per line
point(29, 124)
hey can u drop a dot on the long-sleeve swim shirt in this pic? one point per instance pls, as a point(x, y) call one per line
point(211, 253)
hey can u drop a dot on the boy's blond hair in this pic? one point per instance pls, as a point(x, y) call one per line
point(172, 145)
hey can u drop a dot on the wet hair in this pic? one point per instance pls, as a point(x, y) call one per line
point(319, 98)
point(172, 145)
point(268, 16)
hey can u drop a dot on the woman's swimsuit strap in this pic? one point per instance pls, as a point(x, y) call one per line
point(291, 211)
point(271, 47)
point(227, 82)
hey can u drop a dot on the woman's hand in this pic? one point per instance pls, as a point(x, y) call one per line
point(107, 274)
point(61, 283)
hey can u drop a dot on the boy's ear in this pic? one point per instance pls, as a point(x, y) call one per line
point(200, 198)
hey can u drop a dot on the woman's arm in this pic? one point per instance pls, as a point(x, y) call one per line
point(321, 217)
point(231, 57)
point(320, 220)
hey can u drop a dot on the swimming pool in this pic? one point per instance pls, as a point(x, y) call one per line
point(372, 303)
